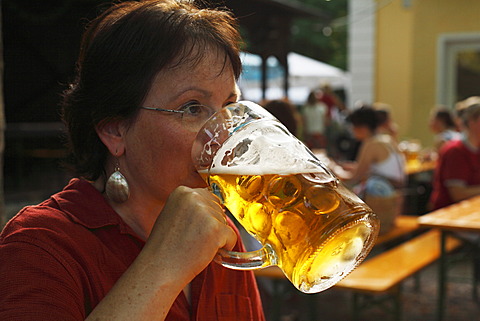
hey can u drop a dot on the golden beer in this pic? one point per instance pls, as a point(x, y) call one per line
point(317, 229)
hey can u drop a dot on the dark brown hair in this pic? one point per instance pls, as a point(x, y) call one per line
point(364, 116)
point(284, 111)
point(122, 50)
point(445, 117)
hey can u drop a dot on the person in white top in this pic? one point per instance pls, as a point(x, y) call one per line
point(378, 154)
point(378, 172)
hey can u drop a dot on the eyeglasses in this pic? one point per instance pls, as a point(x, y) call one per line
point(193, 115)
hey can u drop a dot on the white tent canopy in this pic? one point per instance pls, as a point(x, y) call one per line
point(305, 67)
point(305, 74)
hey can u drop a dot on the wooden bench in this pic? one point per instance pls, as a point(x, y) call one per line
point(386, 270)
point(384, 273)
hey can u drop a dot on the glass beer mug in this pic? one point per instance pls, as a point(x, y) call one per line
point(309, 224)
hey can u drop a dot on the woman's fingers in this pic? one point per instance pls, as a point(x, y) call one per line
point(191, 229)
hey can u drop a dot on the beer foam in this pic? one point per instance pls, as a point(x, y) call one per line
point(260, 149)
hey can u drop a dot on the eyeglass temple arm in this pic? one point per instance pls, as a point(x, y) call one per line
point(162, 109)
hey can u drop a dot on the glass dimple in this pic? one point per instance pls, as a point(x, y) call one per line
point(284, 190)
point(290, 227)
point(260, 220)
point(250, 187)
point(321, 178)
point(352, 249)
point(321, 199)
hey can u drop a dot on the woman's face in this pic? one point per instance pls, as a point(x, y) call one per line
point(473, 130)
point(157, 155)
point(434, 124)
point(361, 132)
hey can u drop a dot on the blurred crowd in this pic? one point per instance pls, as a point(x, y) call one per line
point(362, 147)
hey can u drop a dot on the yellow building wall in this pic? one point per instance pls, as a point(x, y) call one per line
point(406, 64)
point(394, 61)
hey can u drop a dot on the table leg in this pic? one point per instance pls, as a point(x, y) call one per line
point(312, 306)
point(442, 277)
point(276, 300)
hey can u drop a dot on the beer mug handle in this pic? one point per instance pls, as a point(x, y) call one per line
point(246, 260)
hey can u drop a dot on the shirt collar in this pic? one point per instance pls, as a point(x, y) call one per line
point(87, 206)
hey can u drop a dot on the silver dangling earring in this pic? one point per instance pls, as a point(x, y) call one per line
point(117, 188)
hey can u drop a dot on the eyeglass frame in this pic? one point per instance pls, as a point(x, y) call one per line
point(167, 110)
point(182, 112)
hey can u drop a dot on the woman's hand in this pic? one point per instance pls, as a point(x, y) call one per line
point(189, 231)
point(185, 238)
point(342, 170)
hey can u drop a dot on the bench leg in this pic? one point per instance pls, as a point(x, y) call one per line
point(418, 283)
point(277, 300)
point(442, 277)
point(364, 301)
point(356, 306)
point(397, 305)
point(476, 271)
point(312, 306)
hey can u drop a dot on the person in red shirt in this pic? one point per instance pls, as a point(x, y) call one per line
point(457, 175)
point(134, 235)
point(334, 104)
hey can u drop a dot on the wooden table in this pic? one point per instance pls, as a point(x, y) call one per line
point(460, 217)
point(419, 167)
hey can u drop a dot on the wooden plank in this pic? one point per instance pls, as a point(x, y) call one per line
point(462, 216)
point(273, 272)
point(404, 225)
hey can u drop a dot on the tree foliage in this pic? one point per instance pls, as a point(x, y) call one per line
point(324, 40)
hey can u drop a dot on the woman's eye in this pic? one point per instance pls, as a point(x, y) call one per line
point(192, 109)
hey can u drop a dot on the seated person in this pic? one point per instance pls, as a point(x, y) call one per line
point(386, 125)
point(460, 107)
point(457, 175)
point(378, 171)
point(442, 124)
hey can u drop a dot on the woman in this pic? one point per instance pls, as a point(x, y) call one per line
point(101, 250)
point(386, 125)
point(378, 171)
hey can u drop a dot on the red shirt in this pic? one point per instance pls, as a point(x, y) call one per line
point(457, 162)
point(328, 100)
point(61, 257)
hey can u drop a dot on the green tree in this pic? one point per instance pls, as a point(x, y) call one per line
point(324, 40)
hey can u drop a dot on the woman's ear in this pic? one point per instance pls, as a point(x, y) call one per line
point(112, 135)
